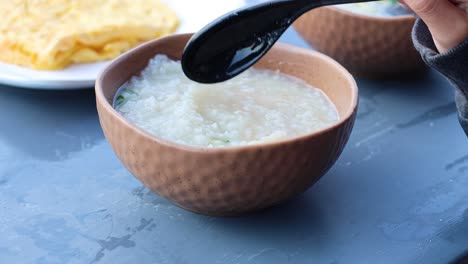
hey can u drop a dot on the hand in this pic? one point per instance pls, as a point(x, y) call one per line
point(446, 19)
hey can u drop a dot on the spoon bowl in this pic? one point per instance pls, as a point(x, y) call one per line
point(234, 42)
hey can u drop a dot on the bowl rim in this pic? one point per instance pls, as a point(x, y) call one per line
point(402, 18)
point(343, 119)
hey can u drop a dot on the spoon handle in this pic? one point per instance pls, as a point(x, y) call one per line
point(340, 2)
point(310, 4)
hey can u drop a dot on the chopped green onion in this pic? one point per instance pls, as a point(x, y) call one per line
point(220, 141)
point(120, 100)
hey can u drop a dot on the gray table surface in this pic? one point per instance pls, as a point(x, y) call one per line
point(398, 194)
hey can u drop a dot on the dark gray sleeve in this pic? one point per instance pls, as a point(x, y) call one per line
point(452, 64)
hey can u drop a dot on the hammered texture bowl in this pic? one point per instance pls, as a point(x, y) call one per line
point(233, 180)
point(367, 46)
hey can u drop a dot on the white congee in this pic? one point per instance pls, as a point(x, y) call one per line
point(258, 106)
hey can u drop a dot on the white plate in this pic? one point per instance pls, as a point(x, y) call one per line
point(193, 15)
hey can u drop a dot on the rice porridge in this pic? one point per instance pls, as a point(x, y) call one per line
point(258, 106)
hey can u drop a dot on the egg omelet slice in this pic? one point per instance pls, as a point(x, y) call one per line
point(51, 34)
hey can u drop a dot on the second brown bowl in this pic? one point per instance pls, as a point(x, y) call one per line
point(233, 180)
point(367, 46)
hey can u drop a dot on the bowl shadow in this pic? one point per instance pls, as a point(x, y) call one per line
point(298, 218)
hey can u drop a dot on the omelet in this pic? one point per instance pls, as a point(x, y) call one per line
point(52, 34)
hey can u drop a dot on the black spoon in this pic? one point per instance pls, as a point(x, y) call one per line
point(234, 42)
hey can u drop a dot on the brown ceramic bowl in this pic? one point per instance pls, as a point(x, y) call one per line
point(367, 46)
point(233, 180)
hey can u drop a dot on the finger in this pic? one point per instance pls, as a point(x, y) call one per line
point(459, 1)
point(433, 11)
point(447, 22)
point(462, 4)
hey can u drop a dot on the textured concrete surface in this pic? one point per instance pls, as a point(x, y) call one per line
point(398, 194)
